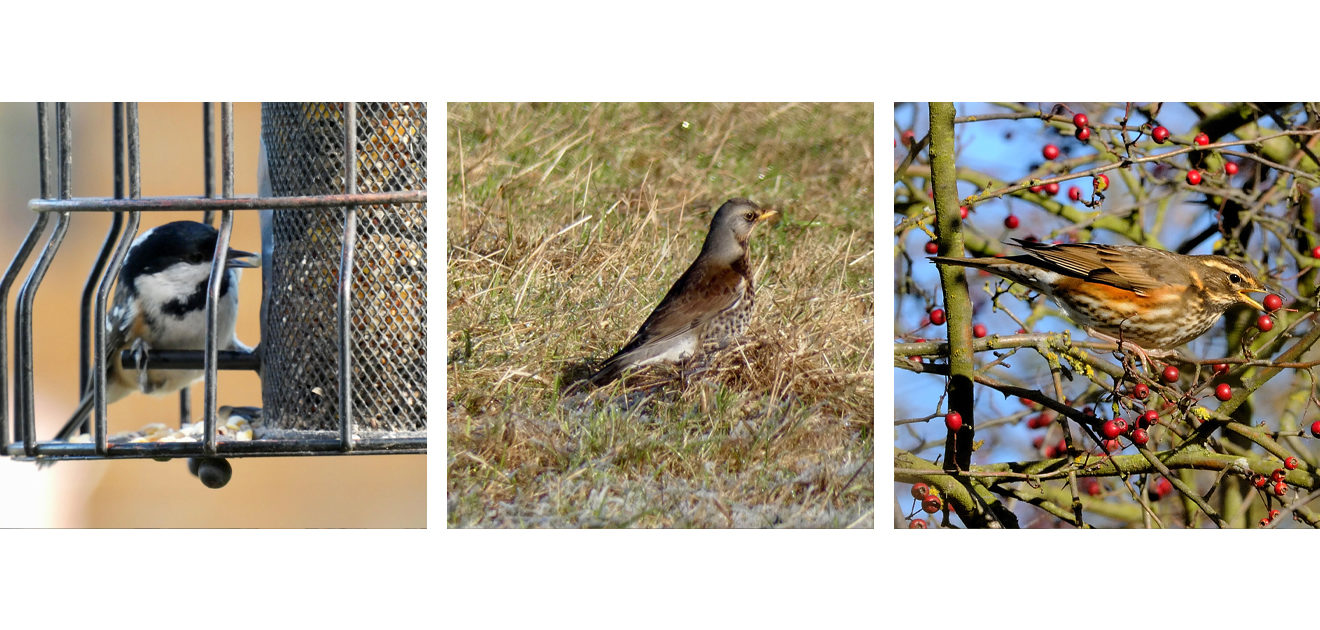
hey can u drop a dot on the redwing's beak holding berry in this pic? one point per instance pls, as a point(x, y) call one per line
point(242, 259)
point(1246, 299)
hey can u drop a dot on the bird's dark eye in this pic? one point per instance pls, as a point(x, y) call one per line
point(1234, 278)
point(750, 216)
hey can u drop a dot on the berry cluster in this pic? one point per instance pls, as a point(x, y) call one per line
point(930, 502)
point(1082, 123)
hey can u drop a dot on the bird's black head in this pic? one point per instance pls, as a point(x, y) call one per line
point(187, 242)
point(169, 266)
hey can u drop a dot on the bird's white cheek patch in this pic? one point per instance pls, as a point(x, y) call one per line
point(187, 332)
point(170, 284)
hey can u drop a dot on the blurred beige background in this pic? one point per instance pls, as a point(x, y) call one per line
point(355, 491)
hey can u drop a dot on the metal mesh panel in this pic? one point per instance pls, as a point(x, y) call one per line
point(304, 146)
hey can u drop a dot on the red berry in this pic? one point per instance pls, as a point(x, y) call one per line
point(1052, 188)
point(1111, 429)
point(1038, 188)
point(1037, 441)
point(1201, 139)
point(1140, 437)
point(1074, 193)
point(1151, 417)
point(909, 137)
point(1193, 177)
point(1101, 182)
point(932, 503)
point(1089, 485)
point(917, 524)
point(1290, 463)
point(1027, 402)
point(1315, 429)
point(1170, 373)
point(1083, 134)
point(1223, 391)
point(1264, 323)
point(1081, 120)
point(1162, 487)
point(1221, 368)
point(1278, 475)
point(1050, 152)
point(1260, 481)
point(932, 247)
point(1280, 488)
point(1264, 522)
point(1274, 514)
point(1231, 168)
point(1141, 390)
point(1159, 134)
point(1272, 302)
point(953, 420)
point(962, 210)
point(1315, 253)
point(937, 317)
point(920, 490)
point(1113, 445)
point(1050, 452)
point(979, 331)
point(1122, 425)
point(1011, 222)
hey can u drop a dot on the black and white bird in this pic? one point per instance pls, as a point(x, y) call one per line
point(160, 304)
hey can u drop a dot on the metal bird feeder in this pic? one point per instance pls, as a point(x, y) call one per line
point(342, 357)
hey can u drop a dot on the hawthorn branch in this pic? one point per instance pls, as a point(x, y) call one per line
point(1012, 188)
point(953, 282)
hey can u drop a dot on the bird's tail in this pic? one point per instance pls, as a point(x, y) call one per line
point(73, 426)
point(607, 373)
point(78, 420)
point(975, 263)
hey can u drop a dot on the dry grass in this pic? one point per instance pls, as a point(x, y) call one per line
point(567, 223)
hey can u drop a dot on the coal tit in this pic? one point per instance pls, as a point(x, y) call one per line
point(160, 304)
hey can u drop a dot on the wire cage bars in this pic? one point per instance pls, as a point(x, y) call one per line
point(346, 224)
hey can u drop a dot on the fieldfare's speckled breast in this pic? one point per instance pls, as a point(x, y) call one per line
point(709, 306)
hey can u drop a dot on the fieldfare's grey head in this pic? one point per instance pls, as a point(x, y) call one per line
point(729, 229)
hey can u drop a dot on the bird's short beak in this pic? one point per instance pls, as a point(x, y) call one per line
point(1242, 295)
point(767, 216)
point(240, 258)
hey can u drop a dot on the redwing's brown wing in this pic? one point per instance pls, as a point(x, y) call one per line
point(1102, 263)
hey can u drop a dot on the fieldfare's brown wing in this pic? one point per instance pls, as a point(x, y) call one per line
point(699, 295)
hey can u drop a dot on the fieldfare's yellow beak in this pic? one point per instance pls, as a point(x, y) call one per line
point(767, 216)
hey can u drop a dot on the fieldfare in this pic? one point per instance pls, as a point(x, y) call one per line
point(708, 307)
